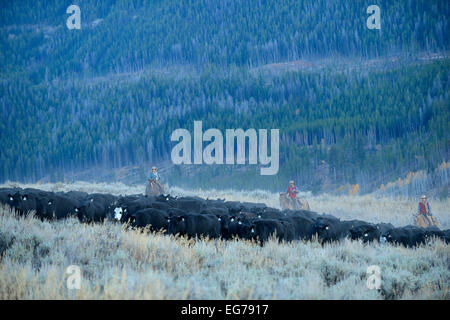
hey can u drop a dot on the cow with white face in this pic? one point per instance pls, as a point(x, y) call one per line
point(121, 209)
point(118, 212)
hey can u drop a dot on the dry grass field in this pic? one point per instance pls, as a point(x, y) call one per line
point(120, 263)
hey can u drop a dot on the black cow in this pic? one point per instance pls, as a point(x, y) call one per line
point(104, 200)
point(302, 213)
point(446, 235)
point(215, 210)
point(164, 206)
point(26, 200)
point(232, 204)
point(248, 216)
point(435, 232)
point(77, 195)
point(219, 203)
point(189, 204)
point(241, 218)
point(365, 231)
point(125, 208)
point(238, 229)
point(154, 218)
point(307, 213)
point(408, 236)
point(168, 199)
point(329, 229)
point(290, 233)
point(384, 227)
point(57, 207)
point(224, 221)
point(175, 212)
point(249, 206)
point(6, 195)
point(195, 225)
point(234, 207)
point(233, 228)
point(272, 214)
point(39, 200)
point(102, 206)
point(264, 228)
point(91, 211)
point(302, 226)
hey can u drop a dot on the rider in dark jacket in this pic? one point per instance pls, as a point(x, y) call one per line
point(154, 175)
point(154, 186)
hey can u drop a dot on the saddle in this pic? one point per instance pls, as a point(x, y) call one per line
point(425, 220)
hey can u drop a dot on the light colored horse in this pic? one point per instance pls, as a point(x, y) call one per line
point(293, 204)
point(424, 221)
point(154, 188)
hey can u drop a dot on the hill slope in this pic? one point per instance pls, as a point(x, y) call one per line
point(109, 95)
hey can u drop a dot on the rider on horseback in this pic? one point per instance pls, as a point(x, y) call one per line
point(154, 187)
point(424, 206)
point(154, 175)
point(289, 199)
point(424, 210)
point(292, 193)
point(292, 190)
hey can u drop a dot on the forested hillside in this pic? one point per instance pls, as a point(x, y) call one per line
point(124, 35)
point(109, 95)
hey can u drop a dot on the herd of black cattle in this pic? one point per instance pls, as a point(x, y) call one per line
point(197, 217)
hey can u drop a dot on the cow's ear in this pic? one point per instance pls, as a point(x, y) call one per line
point(10, 197)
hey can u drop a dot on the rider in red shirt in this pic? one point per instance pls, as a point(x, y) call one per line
point(292, 190)
point(424, 206)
